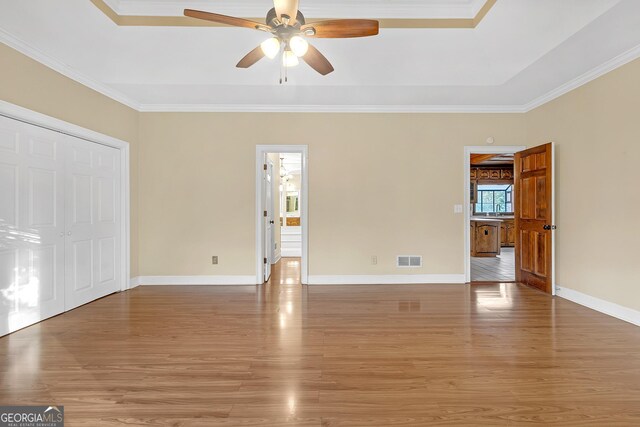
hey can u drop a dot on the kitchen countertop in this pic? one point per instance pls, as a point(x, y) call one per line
point(491, 218)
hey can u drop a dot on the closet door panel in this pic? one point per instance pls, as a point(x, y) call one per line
point(31, 224)
point(93, 240)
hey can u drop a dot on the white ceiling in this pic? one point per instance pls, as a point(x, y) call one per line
point(523, 53)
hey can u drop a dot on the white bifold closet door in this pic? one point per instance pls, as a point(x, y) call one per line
point(59, 223)
point(92, 222)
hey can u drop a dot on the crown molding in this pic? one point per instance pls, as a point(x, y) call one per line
point(328, 108)
point(58, 66)
point(400, 9)
point(169, 14)
point(37, 55)
point(616, 62)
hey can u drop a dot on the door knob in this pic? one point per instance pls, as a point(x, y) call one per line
point(549, 227)
point(271, 222)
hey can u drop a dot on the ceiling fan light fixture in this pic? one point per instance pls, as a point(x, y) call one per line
point(298, 45)
point(289, 59)
point(270, 47)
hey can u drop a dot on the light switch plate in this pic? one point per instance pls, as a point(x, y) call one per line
point(457, 209)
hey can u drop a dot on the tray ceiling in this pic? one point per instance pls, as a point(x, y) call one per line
point(523, 53)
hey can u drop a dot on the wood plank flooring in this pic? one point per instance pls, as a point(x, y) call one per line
point(285, 354)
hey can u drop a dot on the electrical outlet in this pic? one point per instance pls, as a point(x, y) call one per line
point(457, 209)
point(214, 259)
point(374, 260)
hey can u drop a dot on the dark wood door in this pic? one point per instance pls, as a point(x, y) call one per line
point(533, 217)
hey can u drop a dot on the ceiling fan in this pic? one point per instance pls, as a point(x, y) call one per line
point(288, 28)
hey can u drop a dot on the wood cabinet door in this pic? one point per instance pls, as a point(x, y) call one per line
point(487, 239)
point(533, 219)
point(511, 236)
point(484, 174)
point(503, 234)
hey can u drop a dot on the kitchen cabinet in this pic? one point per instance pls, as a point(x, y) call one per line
point(507, 233)
point(491, 174)
point(485, 237)
point(473, 197)
point(484, 174)
point(506, 174)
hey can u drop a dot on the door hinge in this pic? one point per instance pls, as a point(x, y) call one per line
point(265, 214)
point(264, 167)
point(265, 260)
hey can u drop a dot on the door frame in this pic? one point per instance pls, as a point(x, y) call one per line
point(468, 150)
point(261, 152)
point(34, 118)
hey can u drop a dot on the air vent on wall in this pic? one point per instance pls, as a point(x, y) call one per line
point(409, 261)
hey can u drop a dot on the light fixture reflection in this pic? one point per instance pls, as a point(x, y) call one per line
point(298, 45)
point(289, 59)
point(270, 47)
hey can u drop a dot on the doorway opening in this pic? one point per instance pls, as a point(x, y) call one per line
point(505, 184)
point(281, 214)
point(490, 214)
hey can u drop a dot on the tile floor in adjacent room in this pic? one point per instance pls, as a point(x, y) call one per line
point(494, 269)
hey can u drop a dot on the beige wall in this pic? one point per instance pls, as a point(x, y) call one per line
point(197, 188)
point(31, 85)
point(394, 179)
point(597, 133)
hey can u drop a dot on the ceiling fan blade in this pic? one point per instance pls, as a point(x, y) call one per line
point(251, 58)
point(224, 19)
point(343, 28)
point(317, 61)
point(286, 7)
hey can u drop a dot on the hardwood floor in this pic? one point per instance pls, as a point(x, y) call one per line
point(285, 354)
point(494, 269)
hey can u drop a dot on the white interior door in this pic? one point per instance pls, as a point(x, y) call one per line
point(31, 224)
point(268, 220)
point(92, 222)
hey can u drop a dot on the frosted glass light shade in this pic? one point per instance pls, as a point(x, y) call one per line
point(270, 47)
point(298, 45)
point(289, 59)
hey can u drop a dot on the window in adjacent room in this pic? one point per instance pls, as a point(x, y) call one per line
point(494, 198)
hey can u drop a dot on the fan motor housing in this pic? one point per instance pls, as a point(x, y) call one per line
point(273, 22)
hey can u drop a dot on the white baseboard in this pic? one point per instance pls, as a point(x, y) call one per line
point(612, 309)
point(388, 279)
point(195, 280)
point(134, 282)
point(276, 257)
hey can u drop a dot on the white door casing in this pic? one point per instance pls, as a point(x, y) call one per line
point(268, 217)
point(261, 151)
point(271, 252)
